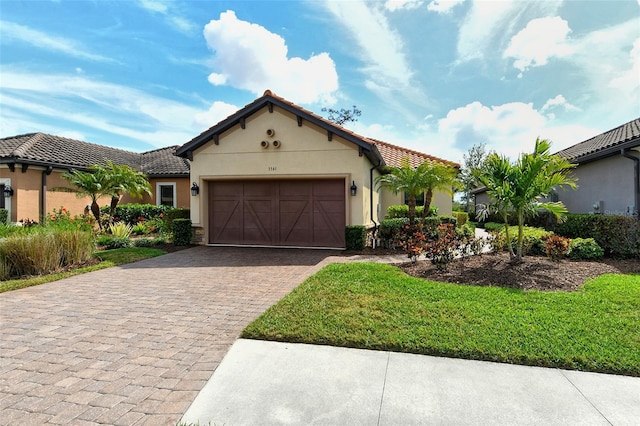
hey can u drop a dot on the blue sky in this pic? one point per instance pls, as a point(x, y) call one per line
point(434, 76)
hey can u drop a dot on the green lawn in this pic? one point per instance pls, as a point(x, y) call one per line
point(107, 259)
point(375, 306)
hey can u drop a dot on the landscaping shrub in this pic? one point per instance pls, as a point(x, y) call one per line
point(441, 249)
point(131, 213)
point(355, 237)
point(493, 226)
point(182, 232)
point(585, 248)
point(111, 242)
point(402, 210)
point(412, 240)
point(173, 214)
point(461, 217)
point(144, 242)
point(389, 228)
point(139, 229)
point(532, 239)
point(4, 216)
point(618, 236)
point(120, 230)
point(556, 247)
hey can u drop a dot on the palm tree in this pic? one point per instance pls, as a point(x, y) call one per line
point(427, 178)
point(123, 179)
point(87, 184)
point(518, 188)
point(111, 180)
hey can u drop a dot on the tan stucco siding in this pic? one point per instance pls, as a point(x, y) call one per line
point(441, 199)
point(27, 186)
point(305, 152)
point(183, 193)
point(27, 198)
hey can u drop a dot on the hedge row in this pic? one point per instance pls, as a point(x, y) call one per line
point(619, 236)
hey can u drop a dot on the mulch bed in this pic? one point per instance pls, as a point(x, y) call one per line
point(534, 273)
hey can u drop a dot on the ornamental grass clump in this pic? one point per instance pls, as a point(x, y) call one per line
point(32, 254)
point(43, 251)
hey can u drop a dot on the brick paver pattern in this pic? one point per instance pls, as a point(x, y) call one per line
point(133, 345)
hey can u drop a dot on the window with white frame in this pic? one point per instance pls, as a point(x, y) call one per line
point(166, 194)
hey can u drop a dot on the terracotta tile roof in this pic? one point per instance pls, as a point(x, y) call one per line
point(394, 154)
point(375, 149)
point(44, 149)
point(607, 143)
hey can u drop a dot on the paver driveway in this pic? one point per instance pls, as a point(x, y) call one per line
point(134, 344)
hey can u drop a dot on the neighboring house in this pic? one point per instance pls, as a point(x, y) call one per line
point(32, 164)
point(275, 174)
point(608, 173)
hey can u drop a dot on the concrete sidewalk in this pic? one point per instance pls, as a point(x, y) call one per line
point(275, 383)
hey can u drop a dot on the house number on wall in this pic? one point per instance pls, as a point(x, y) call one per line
point(272, 168)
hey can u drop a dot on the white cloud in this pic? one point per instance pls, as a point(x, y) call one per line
point(393, 5)
point(489, 25)
point(96, 104)
point(630, 80)
point(154, 6)
point(171, 13)
point(11, 31)
point(248, 56)
point(509, 128)
point(540, 40)
point(443, 6)
point(558, 101)
point(608, 62)
point(218, 112)
point(380, 46)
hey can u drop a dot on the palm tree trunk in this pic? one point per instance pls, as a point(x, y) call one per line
point(428, 196)
point(112, 207)
point(412, 209)
point(520, 236)
point(95, 209)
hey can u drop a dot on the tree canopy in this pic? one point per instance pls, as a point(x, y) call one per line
point(109, 180)
point(428, 177)
point(519, 189)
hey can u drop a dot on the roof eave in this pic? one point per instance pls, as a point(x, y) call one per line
point(260, 103)
point(607, 152)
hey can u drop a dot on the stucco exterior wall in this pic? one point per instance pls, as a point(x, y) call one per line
point(441, 200)
point(26, 200)
point(609, 180)
point(183, 193)
point(305, 152)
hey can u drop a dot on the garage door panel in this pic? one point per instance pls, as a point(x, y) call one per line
point(228, 226)
point(258, 222)
point(259, 190)
point(295, 222)
point(308, 213)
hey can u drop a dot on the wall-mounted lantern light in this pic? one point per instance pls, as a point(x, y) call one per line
point(8, 191)
point(195, 189)
point(353, 188)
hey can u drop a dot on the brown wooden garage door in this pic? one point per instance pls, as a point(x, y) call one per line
point(303, 213)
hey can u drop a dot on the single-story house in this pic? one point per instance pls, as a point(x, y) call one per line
point(275, 174)
point(608, 173)
point(32, 164)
